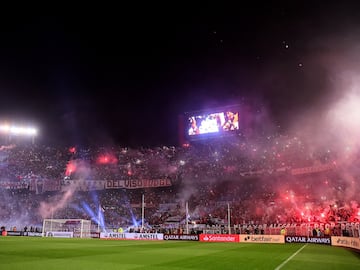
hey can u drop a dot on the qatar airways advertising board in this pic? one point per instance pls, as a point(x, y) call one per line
point(326, 240)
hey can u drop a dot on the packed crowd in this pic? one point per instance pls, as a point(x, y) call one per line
point(255, 179)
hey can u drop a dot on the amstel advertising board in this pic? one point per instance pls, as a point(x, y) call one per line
point(132, 236)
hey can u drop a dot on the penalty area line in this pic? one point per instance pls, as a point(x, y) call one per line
point(292, 256)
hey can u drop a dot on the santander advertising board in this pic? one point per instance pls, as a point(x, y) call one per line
point(219, 238)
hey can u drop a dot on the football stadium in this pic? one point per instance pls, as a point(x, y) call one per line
point(221, 200)
point(137, 138)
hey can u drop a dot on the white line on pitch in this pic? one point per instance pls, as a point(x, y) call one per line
point(292, 256)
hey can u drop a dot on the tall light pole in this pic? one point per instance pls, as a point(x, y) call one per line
point(142, 212)
point(229, 227)
point(186, 218)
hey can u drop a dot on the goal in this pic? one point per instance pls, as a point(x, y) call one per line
point(67, 228)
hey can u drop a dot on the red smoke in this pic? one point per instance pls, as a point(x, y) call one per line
point(70, 168)
point(106, 159)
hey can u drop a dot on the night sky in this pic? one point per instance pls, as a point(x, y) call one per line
point(123, 76)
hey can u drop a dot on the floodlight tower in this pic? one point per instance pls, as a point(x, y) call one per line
point(18, 131)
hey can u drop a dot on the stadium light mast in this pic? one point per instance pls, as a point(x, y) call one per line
point(19, 131)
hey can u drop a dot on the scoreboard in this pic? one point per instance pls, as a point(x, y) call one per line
point(211, 123)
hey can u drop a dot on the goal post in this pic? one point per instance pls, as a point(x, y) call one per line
point(66, 228)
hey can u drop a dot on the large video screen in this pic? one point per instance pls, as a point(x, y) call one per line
point(212, 123)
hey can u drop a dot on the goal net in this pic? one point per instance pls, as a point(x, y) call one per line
point(67, 228)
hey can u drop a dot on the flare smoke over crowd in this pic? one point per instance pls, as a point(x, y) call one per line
point(306, 174)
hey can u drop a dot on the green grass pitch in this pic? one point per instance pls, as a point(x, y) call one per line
point(25, 253)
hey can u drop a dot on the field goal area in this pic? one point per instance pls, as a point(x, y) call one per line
point(66, 228)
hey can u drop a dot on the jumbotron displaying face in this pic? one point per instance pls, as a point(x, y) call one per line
point(212, 123)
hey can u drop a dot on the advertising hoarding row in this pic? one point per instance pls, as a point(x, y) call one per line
point(235, 238)
point(342, 241)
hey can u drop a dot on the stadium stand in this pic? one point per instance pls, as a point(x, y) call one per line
point(268, 183)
